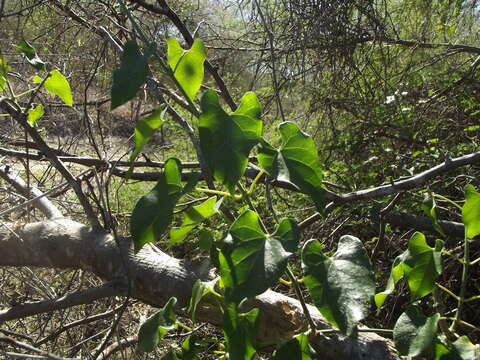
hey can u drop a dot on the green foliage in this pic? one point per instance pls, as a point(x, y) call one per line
point(429, 207)
point(157, 326)
point(471, 212)
point(57, 84)
point(187, 66)
point(414, 333)
point(341, 286)
point(31, 55)
point(296, 162)
point(240, 332)
point(226, 140)
point(4, 69)
point(200, 289)
point(297, 348)
point(33, 115)
point(461, 349)
point(250, 260)
point(130, 76)
point(154, 211)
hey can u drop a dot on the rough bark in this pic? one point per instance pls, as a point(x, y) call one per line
point(155, 277)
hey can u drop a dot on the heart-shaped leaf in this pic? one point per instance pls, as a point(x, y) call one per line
point(31, 55)
point(200, 289)
point(57, 84)
point(297, 348)
point(423, 265)
point(396, 274)
point(252, 261)
point(342, 286)
point(414, 333)
point(157, 326)
point(33, 115)
point(187, 66)
point(4, 69)
point(429, 207)
point(130, 76)
point(194, 216)
point(154, 212)
point(226, 140)
point(471, 212)
point(295, 162)
point(144, 131)
point(240, 332)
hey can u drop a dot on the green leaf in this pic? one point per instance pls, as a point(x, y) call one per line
point(252, 261)
point(429, 207)
point(4, 69)
point(194, 216)
point(57, 84)
point(423, 265)
point(130, 76)
point(144, 131)
point(240, 332)
point(187, 66)
point(396, 274)
point(471, 212)
point(199, 291)
point(157, 326)
point(191, 347)
point(154, 212)
point(342, 286)
point(205, 239)
point(31, 55)
point(414, 333)
point(295, 162)
point(297, 348)
point(34, 114)
point(462, 349)
point(226, 140)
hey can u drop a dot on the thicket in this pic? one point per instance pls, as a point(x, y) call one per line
point(326, 149)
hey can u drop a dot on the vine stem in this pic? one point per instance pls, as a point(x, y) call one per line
point(255, 181)
point(298, 291)
point(463, 285)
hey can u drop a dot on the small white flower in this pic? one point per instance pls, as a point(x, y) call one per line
point(390, 99)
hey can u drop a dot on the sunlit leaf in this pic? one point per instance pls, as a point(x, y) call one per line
point(191, 347)
point(342, 286)
point(297, 348)
point(194, 216)
point(34, 114)
point(295, 162)
point(154, 212)
point(429, 207)
point(226, 140)
point(396, 274)
point(144, 131)
point(130, 76)
point(31, 55)
point(57, 84)
point(414, 333)
point(187, 66)
point(4, 69)
point(200, 290)
point(157, 326)
point(240, 332)
point(471, 212)
point(252, 261)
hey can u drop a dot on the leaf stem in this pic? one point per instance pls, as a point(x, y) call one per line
point(441, 197)
point(449, 292)
point(471, 326)
point(255, 181)
point(298, 291)
point(217, 192)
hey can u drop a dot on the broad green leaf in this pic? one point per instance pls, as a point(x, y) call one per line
point(205, 239)
point(423, 265)
point(154, 212)
point(4, 69)
point(429, 207)
point(297, 348)
point(191, 347)
point(462, 349)
point(396, 274)
point(187, 66)
point(194, 216)
point(414, 333)
point(200, 289)
point(31, 55)
point(342, 286)
point(252, 261)
point(34, 114)
point(295, 162)
point(144, 131)
point(471, 212)
point(57, 84)
point(226, 140)
point(157, 326)
point(240, 332)
point(130, 76)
